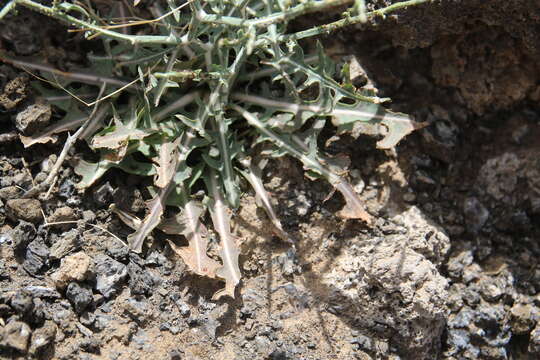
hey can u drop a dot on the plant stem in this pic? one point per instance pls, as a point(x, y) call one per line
point(76, 76)
point(252, 120)
point(294, 12)
point(336, 25)
point(62, 16)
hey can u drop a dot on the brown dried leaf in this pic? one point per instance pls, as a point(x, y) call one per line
point(195, 255)
point(166, 164)
point(354, 208)
point(229, 252)
point(68, 123)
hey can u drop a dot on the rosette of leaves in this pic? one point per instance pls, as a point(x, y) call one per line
point(210, 82)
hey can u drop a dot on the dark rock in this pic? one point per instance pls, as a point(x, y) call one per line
point(65, 244)
point(36, 257)
point(109, 275)
point(117, 250)
point(87, 318)
point(3, 272)
point(16, 335)
point(129, 198)
point(22, 235)
point(35, 117)
point(66, 189)
point(422, 181)
point(5, 310)
point(80, 296)
point(22, 303)
point(458, 262)
point(24, 209)
point(279, 355)
point(43, 337)
point(141, 282)
point(156, 258)
point(42, 292)
point(475, 213)
point(103, 194)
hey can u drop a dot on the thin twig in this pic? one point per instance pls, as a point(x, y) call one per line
point(86, 223)
point(96, 115)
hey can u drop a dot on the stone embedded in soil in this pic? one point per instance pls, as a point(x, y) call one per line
point(16, 335)
point(141, 281)
point(388, 279)
point(129, 198)
point(499, 176)
point(35, 117)
point(42, 292)
point(24, 209)
point(10, 192)
point(534, 340)
point(64, 213)
point(76, 267)
point(22, 235)
point(475, 213)
point(14, 91)
point(36, 257)
point(523, 317)
point(80, 296)
point(42, 337)
point(103, 194)
point(109, 275)
point(22, 303)
point(65, 243)
point(117, 250)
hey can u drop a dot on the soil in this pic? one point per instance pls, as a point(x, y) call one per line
point(449, 271)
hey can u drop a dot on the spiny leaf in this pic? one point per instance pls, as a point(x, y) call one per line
point(156, 206)
point(253, 175)
point(312, 161)
point(195, 255)
point(118, 137)
point(229, 250)
point(166, 162)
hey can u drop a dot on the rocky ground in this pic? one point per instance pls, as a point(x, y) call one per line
point(448, 272)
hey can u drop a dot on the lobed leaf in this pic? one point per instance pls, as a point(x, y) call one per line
point(229, 252)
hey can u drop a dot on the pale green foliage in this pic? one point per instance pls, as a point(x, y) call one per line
point(220, 82)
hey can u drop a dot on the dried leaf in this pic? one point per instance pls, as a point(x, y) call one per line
point(166, 163)
point(71, 121)
point(229, 251)
point(156, 206)
point(354, 208)
point(187, 222)
point(195, 255)
point(119, 137)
